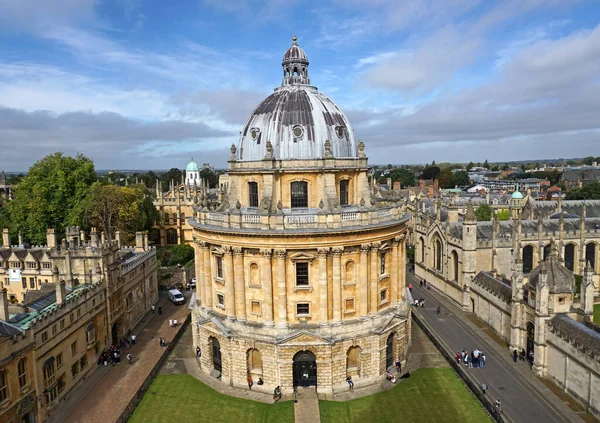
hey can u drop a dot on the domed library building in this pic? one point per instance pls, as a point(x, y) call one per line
point(300, 265)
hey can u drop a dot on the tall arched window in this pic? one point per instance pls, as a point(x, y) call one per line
point(22, 368)
point(254, 274)
point(254, 358)
point(570, 256)
point(438, 254)
point(253, 194)
point(299, 194)
point(172, 236)
point(455, 266)
point(350, 272)
point(422, 243)
point(353, 361)
point(590, 254)
point(527, 258)
point(547, 249)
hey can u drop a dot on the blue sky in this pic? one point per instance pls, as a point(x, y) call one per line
point(140, 84)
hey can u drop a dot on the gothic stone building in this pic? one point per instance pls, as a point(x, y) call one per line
point(300, 268)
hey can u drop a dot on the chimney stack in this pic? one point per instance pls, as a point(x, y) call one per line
point(146, 246)
point(139, 242)
point(94, 237)
point(4, 305)
point(20, 239)
point(61, 292)
point(50, 238)
point(5, 238)
point(118, 238)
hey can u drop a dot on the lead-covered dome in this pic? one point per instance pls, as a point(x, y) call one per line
point(297, 119)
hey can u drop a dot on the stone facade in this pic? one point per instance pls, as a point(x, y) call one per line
point(300, 267)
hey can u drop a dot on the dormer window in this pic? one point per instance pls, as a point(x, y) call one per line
point(340, 131)
point(298, 132)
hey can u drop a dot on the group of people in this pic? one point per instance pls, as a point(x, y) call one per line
point(424, 283)
point(251, 382)
point(420, 302)
point(522, 355)
point(474, 359)
point(111, 355)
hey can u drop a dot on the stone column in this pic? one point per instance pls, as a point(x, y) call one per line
point(394, 273)
point(267, 288)
point(240, 294)
point(323, 313)
point(229, 283)
point(364, 281)
point(337, 285)
point(281, 290)
point(207, 297)
point(199, 266)
point(374, 283)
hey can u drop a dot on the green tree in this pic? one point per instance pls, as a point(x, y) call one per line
point(470, 166)
point(483, 212)
point(52, 195)
point(405, 176)
point(588, 192)
point(431, 172)
point(588, 160)
point(173, 174)
point(210, 176)
point(503, 214)
point(181, 254)
point(446, 178)
point(486, 164)
point(460, 178)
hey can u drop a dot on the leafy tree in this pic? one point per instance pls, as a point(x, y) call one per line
point(588, 160)
point(210, 176)
point(495, 168)
point(52, 195)
point(173, 174)
point(552, 175)
point(460, 178)
point(506, 166)
point(431, 172)
point(503, 214)
point(446, 178)
point(405, 176)
point(486, 164)
point(410, 254)
point(470, 166)
point(181, 254)
point(588, 192)
point(483, 212)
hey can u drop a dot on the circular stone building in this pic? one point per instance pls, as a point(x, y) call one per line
point(300, 262)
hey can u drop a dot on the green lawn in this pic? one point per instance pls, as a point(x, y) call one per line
point(182, 398)
point(430, 395)
point(597, 314)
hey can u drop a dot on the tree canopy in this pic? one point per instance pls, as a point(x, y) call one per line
point(483, 212)
point(405, 176)
point(173, 174)
point(52, 195)
point(587, 192)
point(461, 178)
point(431, 172)
point(210, 176)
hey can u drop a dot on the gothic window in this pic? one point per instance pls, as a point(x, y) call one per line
point(344, 192)
point(438, 254)
point(22, 368)
point(253, 194)
point(299, 194)
point(590, 254)
point(166, 218)
point(422, 243)
point(302, 273)
point(48, 369)
point(171, 236)
point(570, 256)
point(527, 258)
point(455, 265)
point(3, 386)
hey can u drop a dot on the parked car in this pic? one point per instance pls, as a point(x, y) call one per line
point(191, 284)
point(176, 296)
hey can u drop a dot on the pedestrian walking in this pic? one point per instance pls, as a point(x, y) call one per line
point(523, 355)
point(499, 406)
point(531, 357)
point(198, 354)
point(129, 358)
point(153, 308)
point(466, 359)
point(458, 357)
point(398, 367)
point(132, 339)
point(171, 323)
point(439, 309)
point(515, 355)
point(410, 287)
point(175, 323)
point(469, 361)
point(482, 361)
point(250, 382)
point(483, 388)
point(350, 383)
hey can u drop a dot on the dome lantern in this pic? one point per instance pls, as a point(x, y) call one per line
point(295, 65)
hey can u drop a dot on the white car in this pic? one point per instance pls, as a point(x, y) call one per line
point(191, 284)
point(176, 296)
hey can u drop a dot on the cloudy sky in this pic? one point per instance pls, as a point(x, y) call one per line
point(141, 84)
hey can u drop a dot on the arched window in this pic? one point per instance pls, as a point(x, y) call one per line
point(547, 249)
point(129, 300)
point(3, 386)
point(22, 368)
point(166, 218)
point(353, 361)
point(254, 359)
point(350, 272)
point(172, 236)
point(527, 258)
point(570, 256)
point(299, 194)
point(438, 254)
point(344, 184)
point(455, 266)
point(252, 194)
point(422, 243)
point(590, 254)
point(254, 274)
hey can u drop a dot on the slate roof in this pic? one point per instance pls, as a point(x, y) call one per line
point(558, 277)
point(33, 295)
point(576, 332)
point(6, 329)
point(500, 288)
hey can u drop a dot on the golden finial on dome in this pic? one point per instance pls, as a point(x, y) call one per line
point(294, 39)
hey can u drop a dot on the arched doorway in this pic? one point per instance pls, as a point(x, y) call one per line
point(389, 351)
point(216, 354)
point(116, 332)
point(527, 258)
point(530, 337)
point(570, 256)
point(305, 369)
point(171, 236)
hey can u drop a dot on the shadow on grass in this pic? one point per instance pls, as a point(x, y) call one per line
point(182, 398)
point(429, 395)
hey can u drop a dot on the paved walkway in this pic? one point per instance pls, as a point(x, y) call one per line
point(105, 399)
point(524, 397)
point(306, 408)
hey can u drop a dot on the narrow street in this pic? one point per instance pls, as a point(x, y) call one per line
point(520, 398)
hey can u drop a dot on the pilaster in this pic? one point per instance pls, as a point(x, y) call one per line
point(374, 282)
point(363, 281)
point(323, 312)
point(281, 290)
point(229, 284)
point(337, 285)
point(268, 288)
point(240, 294)
point(208, 277)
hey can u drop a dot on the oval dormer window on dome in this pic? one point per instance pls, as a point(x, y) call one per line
point(255, 135)
point(298, 132)
point(340, 131)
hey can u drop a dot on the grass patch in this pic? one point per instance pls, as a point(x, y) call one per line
point(430, 395)
point(182, 398)
point(597, 314)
